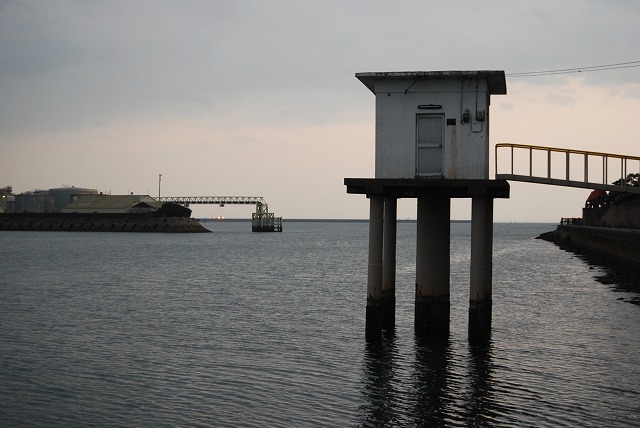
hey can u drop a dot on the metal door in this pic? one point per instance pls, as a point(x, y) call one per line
point(429, 141)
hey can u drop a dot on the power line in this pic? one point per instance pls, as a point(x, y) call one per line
point(630, 64)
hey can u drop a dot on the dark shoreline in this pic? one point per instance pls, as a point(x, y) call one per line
point(59, 222)
point(616, 250)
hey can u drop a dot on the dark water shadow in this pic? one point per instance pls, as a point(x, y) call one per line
point(431, 383)
point(433, 390)
point(444, 396)
point(619, 275)
point(380, 388)
point(620, 281)
point(481, 405)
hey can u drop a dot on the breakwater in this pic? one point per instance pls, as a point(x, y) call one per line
point(611, 247)
point(56, 222)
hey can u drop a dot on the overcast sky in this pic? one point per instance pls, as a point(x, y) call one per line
point(259, 98)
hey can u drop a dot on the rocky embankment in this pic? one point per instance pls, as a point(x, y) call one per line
point(99, 223)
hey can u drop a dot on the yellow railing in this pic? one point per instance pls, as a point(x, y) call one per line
point(520, 172)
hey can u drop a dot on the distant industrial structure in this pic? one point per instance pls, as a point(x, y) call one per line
point(6, 198)
point(111, 204)
point(71, 199)
point(79, 200)
point(261, 220)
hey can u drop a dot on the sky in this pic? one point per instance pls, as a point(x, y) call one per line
point(259, 98)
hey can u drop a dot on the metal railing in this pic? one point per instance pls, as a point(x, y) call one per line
point(217, 200)
point(261, 221)
point(559, 173)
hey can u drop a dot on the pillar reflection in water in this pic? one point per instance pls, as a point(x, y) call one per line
point(448, 383)
point(380, 383)
point(482, 408)
point(432, 392)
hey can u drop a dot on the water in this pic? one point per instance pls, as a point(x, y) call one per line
point(243, 329)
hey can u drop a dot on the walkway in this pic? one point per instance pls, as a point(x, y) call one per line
point(564, 167)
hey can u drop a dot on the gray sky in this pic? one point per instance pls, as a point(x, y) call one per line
point(259, 98)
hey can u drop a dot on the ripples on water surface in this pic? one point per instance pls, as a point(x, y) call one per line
point(241, 329)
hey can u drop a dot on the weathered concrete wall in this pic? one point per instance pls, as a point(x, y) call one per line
point(99, 223)
point(433, 124)
point(465, 148)
point(621, 215)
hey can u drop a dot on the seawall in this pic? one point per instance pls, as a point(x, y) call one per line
point(611, 247)
point(55, 222)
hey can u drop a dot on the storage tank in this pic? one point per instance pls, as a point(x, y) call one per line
point(64, 195)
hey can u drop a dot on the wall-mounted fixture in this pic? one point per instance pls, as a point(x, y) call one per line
point(466, 116)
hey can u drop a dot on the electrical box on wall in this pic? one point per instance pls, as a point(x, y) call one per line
point(433, 124)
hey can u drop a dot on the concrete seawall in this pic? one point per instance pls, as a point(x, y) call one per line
point(99, 223)
point(611, 247)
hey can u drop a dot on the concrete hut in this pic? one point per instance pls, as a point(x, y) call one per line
point(432, 144)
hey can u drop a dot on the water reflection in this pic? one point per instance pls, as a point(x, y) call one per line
point(620, 276)
point(446, 385)
point(379, 386)
point(431, 384)
point(621, 281)
point(481, 405)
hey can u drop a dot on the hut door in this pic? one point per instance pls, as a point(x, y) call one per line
point(429, 141)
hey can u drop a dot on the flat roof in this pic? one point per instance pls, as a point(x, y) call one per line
point(495, 78)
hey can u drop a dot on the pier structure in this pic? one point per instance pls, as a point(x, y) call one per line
point(432, 144)
point(261, 220)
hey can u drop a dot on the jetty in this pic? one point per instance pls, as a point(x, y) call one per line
point(608, 232)
point(74, 222)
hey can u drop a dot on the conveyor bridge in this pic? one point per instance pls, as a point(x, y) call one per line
point(261, 220)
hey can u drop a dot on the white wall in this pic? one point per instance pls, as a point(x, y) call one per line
point(466, 146)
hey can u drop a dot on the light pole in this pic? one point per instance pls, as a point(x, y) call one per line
point(159, 180)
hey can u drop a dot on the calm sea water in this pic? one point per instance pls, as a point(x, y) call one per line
point(237, 328)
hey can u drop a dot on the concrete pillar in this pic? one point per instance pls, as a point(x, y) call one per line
point(389, 263)
point(481, 267)
point(374, 273)
point(432, 267)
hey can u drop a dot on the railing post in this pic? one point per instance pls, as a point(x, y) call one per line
point(512, 160)
point(567, 165)
point(586, 168)
point(549, 164)
point(530, 162)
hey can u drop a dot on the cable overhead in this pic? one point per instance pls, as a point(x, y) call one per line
point(630, 64)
